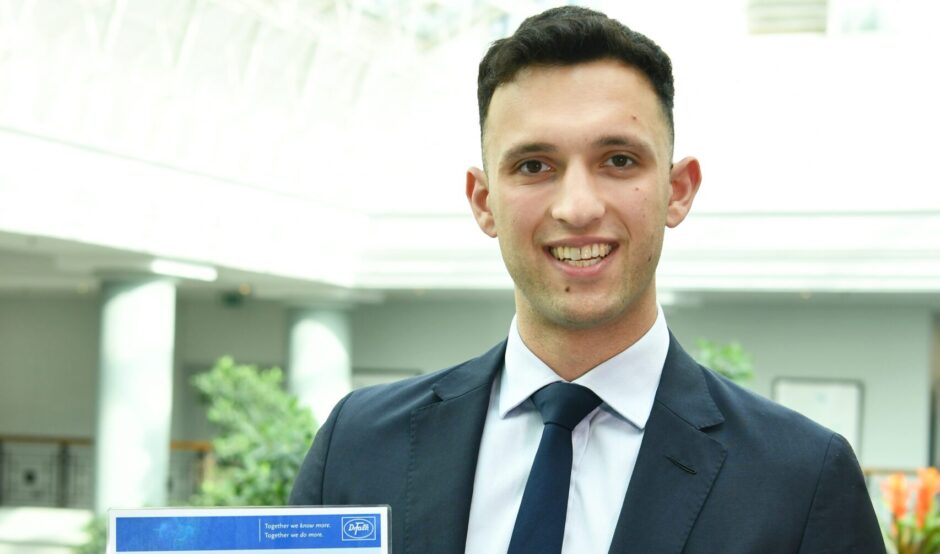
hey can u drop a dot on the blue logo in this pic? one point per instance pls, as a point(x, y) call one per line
point(358, 528)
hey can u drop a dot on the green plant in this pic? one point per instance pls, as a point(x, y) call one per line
point(97, 532)
point(730, 360)
point(914, 531)
point(264, 434)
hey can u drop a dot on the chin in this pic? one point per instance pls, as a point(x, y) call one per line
point(587, 317)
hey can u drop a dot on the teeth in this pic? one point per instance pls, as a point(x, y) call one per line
point(583, 263)
point(583, 256)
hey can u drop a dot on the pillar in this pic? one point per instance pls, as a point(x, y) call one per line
point(320, 367)
point(135, 394)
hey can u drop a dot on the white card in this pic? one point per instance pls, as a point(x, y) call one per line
point(293, 529)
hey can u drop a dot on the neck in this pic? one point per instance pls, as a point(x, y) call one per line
point(572, 352)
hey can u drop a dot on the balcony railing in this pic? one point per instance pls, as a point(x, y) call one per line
point(60, 471)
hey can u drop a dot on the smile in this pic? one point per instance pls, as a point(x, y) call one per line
point(581, 256)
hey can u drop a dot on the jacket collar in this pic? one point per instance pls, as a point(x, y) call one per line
point(683, 390)
point(444, 443)
point(677, 463)
point(676, 466)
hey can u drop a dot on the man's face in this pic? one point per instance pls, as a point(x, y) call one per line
point(578, 189)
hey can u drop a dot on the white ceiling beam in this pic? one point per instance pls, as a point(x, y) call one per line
point(190, 28)
point(115, 18)
point(253, 54)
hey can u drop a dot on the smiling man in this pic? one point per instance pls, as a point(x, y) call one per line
point(579, 189)
point(589, 429)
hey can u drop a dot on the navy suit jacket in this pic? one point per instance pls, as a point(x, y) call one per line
point(720, 469)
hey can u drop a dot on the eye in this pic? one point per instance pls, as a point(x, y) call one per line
point(533, 167)
point(620, 160)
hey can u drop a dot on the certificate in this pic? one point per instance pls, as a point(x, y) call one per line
point(294, 530)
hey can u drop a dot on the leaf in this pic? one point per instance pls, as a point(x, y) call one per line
point(263, 435)
point(730, 360)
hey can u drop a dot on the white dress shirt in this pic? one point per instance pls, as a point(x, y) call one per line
point(605, 444)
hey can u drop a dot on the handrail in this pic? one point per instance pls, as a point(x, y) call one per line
point(872, 471)
point(203, 447)
point(39, 439)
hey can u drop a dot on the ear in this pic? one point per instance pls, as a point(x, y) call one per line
point(684, 180)
point(478, 194)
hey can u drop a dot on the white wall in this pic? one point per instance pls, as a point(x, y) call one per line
point(48, 354)
point(48, 365)
point(427, 334)
point(254, 332)
point(935, 360)
point(935, 390)
point(49, 358)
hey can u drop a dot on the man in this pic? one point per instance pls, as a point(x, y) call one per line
point(658, 455)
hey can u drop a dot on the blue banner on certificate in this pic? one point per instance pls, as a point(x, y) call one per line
point(298, 530)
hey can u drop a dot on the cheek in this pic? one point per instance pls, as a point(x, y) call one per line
point(639, 218)
point(515, 221)
point(644, 207)
point(645, 219)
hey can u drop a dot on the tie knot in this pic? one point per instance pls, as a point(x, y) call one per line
point(565, 404)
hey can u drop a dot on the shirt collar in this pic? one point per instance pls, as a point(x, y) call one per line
point(626, 383)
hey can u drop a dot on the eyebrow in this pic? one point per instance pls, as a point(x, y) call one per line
point(526, 148)
point(521, 150)
point(624, 140)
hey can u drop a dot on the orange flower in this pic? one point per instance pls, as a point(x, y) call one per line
point(928, 489)
point(895, 491)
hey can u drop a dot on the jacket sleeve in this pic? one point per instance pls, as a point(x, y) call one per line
point(841, 518)
point(308, 486)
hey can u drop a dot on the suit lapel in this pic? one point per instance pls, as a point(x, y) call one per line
point(445, 439)
point(676, 465)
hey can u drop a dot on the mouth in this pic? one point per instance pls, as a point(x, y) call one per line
point(581, 256)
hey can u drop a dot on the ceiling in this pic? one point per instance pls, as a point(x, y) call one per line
point(46, 266)
point(279, 122)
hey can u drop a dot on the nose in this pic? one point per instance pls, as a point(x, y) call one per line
point(578, 202)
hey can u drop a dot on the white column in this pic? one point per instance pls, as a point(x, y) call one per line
point(320, 370)
point(135, 394)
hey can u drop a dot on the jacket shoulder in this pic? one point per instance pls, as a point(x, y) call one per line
point(810, 472)
point(765, 429)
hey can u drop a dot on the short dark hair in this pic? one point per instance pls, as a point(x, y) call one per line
point(570, 35)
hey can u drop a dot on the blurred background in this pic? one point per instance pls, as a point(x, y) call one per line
point(281, 181)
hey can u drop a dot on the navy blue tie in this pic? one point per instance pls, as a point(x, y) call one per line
point(540, 524)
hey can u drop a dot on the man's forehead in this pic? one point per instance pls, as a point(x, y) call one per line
point(550, 98)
